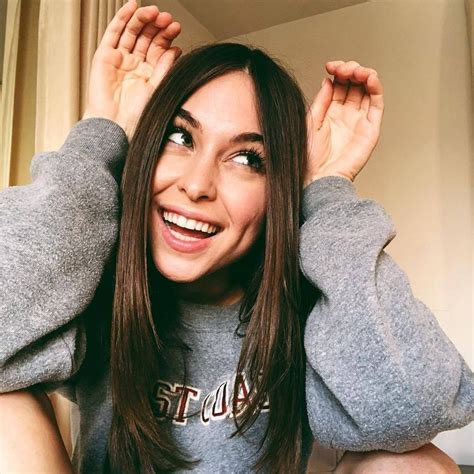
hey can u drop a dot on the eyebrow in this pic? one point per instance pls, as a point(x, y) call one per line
point(241, 138)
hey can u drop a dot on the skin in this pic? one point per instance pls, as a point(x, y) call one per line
point(343, 123)
point(132, 58)
point(208, 174)
point(428, 459)
point(134, 55)
point(30, 440)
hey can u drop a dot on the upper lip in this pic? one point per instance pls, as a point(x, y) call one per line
point(190, 214)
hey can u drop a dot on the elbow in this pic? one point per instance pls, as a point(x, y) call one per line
point(417, 414)
point(398, 438)
point(396, 431)
point(395, 440)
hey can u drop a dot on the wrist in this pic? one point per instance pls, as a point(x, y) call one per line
point(323, 192)
point(125, 125)
point(314, 178)
point(94, 113)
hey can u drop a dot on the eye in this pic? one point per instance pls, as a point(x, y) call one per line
point(176, 132)
point(252, 158)
point(249, 157)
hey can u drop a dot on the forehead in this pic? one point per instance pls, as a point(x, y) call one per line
point(227, 103)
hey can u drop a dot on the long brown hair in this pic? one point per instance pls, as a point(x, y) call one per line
point(272, 354)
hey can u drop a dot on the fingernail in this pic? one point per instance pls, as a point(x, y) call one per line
point(324, 82)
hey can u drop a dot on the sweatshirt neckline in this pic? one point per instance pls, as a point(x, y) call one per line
point(206, 317)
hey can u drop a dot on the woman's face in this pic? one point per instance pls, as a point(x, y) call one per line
point(208, 189)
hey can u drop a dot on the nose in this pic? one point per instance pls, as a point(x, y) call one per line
point(198, 179)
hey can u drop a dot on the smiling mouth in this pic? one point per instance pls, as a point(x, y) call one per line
point(188, 229)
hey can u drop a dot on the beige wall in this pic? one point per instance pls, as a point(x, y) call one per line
point(193, 33)
point(421, 169)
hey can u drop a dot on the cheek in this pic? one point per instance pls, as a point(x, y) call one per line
point(167, 170)
point(248, 208)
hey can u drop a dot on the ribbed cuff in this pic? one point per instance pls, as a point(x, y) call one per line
point(100, 139)
point(324, 191)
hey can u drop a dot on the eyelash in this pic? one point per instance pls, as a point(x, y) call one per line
point(250, 153)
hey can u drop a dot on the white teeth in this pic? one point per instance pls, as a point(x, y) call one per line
point(183, 237)
point(192, 224)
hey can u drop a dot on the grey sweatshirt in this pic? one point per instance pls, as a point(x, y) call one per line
point(380, 372)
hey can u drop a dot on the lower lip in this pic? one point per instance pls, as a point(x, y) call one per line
point(181, 245)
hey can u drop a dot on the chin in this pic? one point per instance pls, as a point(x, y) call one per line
point(179, 278)
point(178, 274)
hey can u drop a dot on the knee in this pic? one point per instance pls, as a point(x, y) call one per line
point(30, 440)
point(27, 401)
point(425, 460)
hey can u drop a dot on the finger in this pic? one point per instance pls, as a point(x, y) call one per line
point(376, 106)
point(115, 28)
point(320, 105)
point(355, 94)
point(344, 71)
point(164, 65)
point(361, 74)
point(365, 104)
point(134, 27)
point(163, 20)
point(149, 32)
point(162, 42)
point(332, 65)
point(339, 90)
point(357, 89)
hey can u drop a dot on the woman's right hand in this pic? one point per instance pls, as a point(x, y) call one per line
point(133, 56)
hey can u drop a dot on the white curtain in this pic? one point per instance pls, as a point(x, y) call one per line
point(68, 35)
point(13, 8)
point(469, 6)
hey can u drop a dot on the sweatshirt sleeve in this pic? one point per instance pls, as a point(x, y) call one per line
point(381, 373)
point(56, 235)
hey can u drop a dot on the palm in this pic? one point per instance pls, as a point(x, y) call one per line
point(124, 82)
point(131, 60)
point(349, 128)
point(344, 141)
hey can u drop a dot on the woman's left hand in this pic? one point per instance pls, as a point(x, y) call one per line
point(344, 122)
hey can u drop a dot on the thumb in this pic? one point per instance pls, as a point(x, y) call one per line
point(321, 103)
point(163, 65)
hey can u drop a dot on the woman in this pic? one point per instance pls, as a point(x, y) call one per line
point(214, 330)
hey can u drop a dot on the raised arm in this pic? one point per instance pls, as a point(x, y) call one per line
point(381, 373)
point(57, 233)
